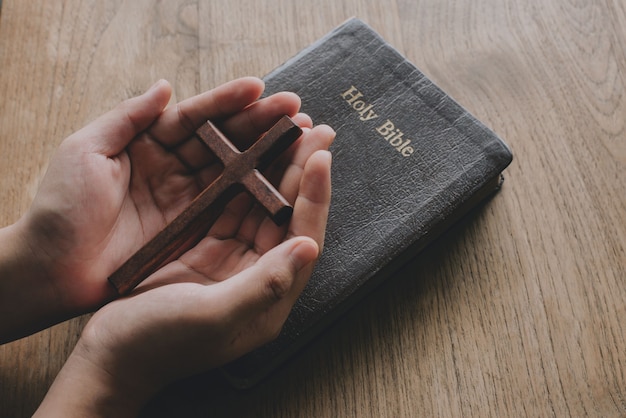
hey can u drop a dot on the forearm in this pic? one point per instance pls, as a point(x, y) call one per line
point(27, 300)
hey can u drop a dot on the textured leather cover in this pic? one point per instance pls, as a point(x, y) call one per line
point(390, 197)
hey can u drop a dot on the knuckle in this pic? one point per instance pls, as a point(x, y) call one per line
point(184, 119)
point(278, 283)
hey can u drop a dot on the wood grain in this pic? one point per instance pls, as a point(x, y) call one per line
point(517, 312)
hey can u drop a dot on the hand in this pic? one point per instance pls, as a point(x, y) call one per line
point(113, 185)
point(229, 294)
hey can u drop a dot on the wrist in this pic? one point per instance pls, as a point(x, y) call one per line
point(84, 388)
point(26, 293)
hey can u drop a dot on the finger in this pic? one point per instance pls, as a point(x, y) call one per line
point(303, 120)
point(306, 178)
point(310, 212)
point(243, 128)
point(179, 122)
point(292, 163)
point(229, 221)
point(113, 131)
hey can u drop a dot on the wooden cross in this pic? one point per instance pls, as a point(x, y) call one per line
point(241, 172)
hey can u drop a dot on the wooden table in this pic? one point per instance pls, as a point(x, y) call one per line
point(519, 311)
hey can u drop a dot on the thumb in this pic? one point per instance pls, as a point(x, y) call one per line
point(114, 130)
point(277, 278)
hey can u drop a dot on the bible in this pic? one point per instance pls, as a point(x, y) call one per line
point(408, 162)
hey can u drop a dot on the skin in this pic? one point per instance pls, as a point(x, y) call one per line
point(112, 186)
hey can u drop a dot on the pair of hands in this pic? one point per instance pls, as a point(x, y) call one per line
point(112, 186)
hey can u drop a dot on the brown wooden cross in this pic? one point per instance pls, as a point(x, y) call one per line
point(241, 172)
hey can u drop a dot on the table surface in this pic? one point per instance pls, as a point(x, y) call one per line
point(518, 311)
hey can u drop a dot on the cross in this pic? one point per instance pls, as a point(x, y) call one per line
point(241, 172)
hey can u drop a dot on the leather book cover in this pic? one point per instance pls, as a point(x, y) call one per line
point(408, 162)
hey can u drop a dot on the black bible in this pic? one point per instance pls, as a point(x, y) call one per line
point(408, 162)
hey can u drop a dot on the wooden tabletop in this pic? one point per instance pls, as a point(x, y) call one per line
point(518, 311)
